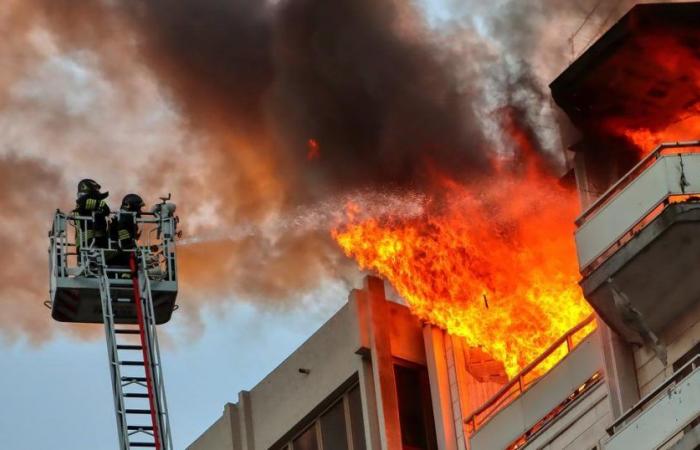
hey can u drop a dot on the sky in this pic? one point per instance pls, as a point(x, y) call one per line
point(56, 392)
point(58, 395)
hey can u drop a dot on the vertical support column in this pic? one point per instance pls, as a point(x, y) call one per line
point(586, 197)
point(232, 418)
point(358, 301)
point(383, 366)
point(434, 340)
point(245, 416)
point(369, 405)
point(620, 372)
point(454, 355)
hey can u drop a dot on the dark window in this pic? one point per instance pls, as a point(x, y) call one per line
point(329, 431)
point(333, 433)
point(307, 440)
point(356, 422)
point(415, 409)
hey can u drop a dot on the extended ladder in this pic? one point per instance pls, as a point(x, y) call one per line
point(138, 379)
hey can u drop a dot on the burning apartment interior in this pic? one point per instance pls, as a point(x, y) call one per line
point(494, 345)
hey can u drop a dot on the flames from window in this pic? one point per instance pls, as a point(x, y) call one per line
point(491, 260)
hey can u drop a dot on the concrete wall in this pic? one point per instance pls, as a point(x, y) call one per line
point(285, 396)
point(405, 333)
point(220, 434)
point(679, 338)
point(359, 344)
point(467, 393)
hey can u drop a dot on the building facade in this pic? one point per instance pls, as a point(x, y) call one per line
point(375, 378)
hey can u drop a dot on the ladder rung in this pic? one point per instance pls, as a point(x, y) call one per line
point(142, 444)
point(126, 331)
point(140, 427)
point(137, 411)
point(135, 395)
point(131, 363)
point(129, 347)
point(134, 379)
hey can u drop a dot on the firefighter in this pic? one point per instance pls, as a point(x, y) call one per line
point(91, 202)
point(124, 228)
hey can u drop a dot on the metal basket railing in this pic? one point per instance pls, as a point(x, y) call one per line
point(71, 251)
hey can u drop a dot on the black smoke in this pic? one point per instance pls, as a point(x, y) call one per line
point(390, 100)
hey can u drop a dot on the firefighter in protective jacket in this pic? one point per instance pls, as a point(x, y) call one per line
point(124, 228)
point(91, 203)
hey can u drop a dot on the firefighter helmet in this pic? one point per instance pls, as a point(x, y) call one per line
point(87, 185)
point(132, 202)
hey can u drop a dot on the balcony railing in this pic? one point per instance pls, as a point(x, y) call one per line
point(661, 414)
point(519, 384)
point(669, 174)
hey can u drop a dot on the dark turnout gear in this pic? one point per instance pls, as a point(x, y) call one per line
point(124, 228)
point(91, 203)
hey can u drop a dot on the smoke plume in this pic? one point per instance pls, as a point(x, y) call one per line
point(220, 102)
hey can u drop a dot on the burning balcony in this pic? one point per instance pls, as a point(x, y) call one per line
point(637, 246)
point(635, 88)
point(630, 92)
point(523, 408)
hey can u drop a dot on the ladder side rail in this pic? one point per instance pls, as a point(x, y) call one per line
point(115, 373)
point(115, 370)
point(154, 349)
point(145, 345)
point(168, 227)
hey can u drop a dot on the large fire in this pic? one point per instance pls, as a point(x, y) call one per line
point(683, 129)
point(674, 113)
point(492, 261)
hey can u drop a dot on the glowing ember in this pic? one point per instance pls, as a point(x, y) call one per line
point(494, 264)
point(313, 151)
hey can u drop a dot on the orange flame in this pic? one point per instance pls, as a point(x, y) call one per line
point(683, 129)
point(675, 113)
point(494, 264)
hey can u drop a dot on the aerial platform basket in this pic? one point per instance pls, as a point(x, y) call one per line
point(75, 279)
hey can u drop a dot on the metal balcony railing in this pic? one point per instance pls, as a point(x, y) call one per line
point(524, 379)
point(661, 414)
point(669, 174)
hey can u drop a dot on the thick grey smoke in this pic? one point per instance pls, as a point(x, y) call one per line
point(256, 113)
point(29, 188)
